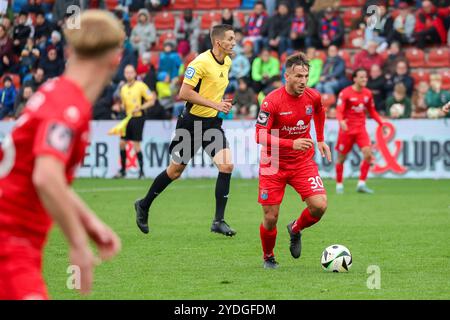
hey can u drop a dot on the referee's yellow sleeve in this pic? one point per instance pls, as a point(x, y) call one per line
point(146, 93)
point(194, 72)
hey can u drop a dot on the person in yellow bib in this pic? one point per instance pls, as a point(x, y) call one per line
point(204, 84)
point(132, 95)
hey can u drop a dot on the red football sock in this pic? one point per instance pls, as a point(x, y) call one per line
point(339, 172)
point(305, 220)
point(365, 166)
point(268, 238)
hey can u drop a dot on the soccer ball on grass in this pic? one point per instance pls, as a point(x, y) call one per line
point(336, 258)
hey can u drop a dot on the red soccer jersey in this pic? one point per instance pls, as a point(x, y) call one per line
point(55, 122)
point(284, 118)
point(352, 106)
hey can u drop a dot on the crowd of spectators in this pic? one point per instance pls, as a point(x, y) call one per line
point(32, 50)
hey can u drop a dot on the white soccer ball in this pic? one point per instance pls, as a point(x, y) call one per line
point(336, 258)
point(397, 110)
point(433, 113)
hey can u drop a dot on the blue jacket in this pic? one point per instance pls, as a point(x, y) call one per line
point(7, 97)
point(334, 68)
point(170, 62)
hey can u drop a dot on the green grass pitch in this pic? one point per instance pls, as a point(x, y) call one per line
point(403, 229)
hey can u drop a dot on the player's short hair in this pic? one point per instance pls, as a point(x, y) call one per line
point(99, 32)
point(355, 73)
point(297, 59)
point(218, 31)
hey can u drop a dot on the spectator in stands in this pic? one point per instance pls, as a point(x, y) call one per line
point(56, 41)
point(254, 28)
point(330, 28)
point(143, 65)
point(21, 33)
point(368, 57)
point(315, 67)
point(279, 29)
point(42, 28)
point(239, 39)
point(435, 96)
point(302, 29)
point(376, 84)
point(430, 27)
point(33, 6)
point(170, 61)
point(37, 78)
point(394, 55)
point(7, 97)
point(29, 57)
point(274, 83)
point(52, 64)
point(228, 18)
point(398, 106)
point(240, 68)
point(381, 32)
point(401, 75)
point(6, 22)
point(264, 68)
point(419, 104)
point(332, 78)
point(143, 35)
point(6, 50)
point(305, 4)
point(21, 99)
point(404, 24)
point(60, 9)
point(164, 90)
point(187, 32)
point(245, 101)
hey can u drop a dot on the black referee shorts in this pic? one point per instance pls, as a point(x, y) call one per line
point(134, 129)
point(192, 133)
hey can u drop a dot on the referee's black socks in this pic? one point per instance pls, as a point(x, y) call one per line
point(222, 190)
point(140, 161)
point(123, 160)
point(158, 186)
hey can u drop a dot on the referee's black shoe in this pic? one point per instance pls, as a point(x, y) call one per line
point(141, 217)
point(222, 227)
point(296, 242)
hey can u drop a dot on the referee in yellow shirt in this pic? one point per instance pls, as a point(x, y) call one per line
point(132, 94)
point(205, 81)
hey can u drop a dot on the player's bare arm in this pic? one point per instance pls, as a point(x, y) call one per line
point(188, 93)
point(302, 144)
point(50, 183)
point(324, 150)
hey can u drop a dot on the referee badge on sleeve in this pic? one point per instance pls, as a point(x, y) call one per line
point(190, 72)
point(263, 118)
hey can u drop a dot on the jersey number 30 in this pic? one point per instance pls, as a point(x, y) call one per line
point(316, 182)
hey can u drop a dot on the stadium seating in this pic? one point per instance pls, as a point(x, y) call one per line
point(240, 16)
point(14, 77)
point(416, 57)
point(350, 16)
point(438, 57)
point(328, 100)
point(206, 4)
point(164, 20)
point(208, 18)
point(188, 59)
point(182, 4)
point(162, 38)
point(230, 4)
point(446, 80)
point(354, 34)
point(420, 75)
point(134, 20)
point(351, 3)
point(248, 4)
point(154, 59)
point(321, 55)
point(345, 55)
point(111, 4)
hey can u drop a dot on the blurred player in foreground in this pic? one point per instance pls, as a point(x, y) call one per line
point(352, 105)
point(39, 158)
point(287, 157)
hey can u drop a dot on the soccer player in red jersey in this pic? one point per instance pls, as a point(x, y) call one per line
point(283, 129)
point(352, 104)
point(38, 160)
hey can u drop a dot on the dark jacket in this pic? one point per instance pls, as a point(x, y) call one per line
point(377, 86)
point(406, 79)
point(52, 68)
point(278, 26)
point(334, 68)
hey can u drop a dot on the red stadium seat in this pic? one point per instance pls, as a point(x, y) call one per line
point(162, 38)
point(350, 16)
point(15, 79)
point(351, 3)
point(164, 21)
point(328, 100)
point(321, 55)
point(154, 59)
point(415, 57)
point(208, 18)
point(240, 16)
point(206, 4)
point(395, 13)
point(420, 76)
point(446, 80)
point(188, 59)
point(182, 4)
point(111, 4)
point(230, 4)
point(354, 34)
point(134, 20)
point(439, 57)
point(345, 55)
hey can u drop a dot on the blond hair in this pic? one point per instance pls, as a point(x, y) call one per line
point(99, 32)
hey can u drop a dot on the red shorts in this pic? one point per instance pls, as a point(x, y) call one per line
point(305, 180)
point(346, 141)
point(20, 270)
